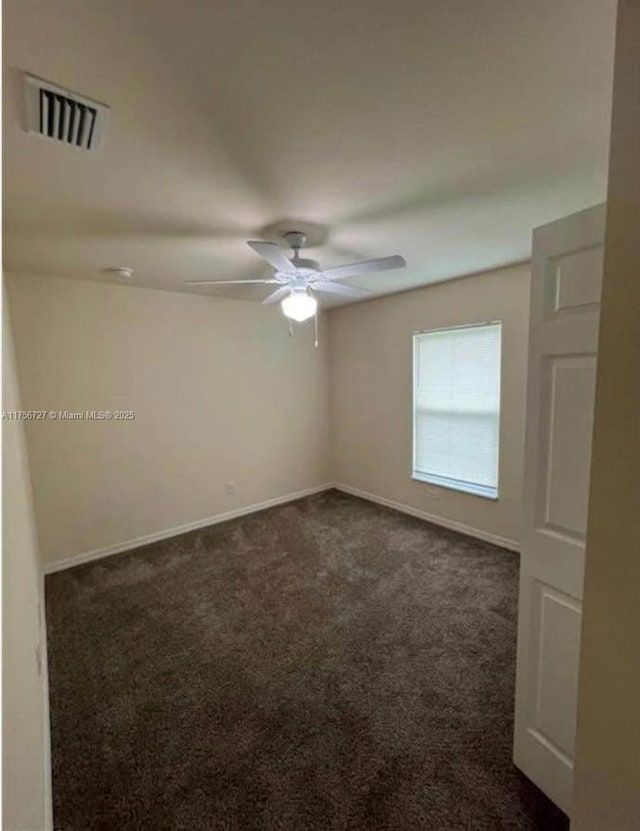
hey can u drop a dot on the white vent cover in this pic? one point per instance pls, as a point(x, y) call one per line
point(63, 116)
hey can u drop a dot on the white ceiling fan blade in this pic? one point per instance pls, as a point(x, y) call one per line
point(226, 282)
point(381, 264)
point(338, 288)
point(278, 294)
point(273, 254)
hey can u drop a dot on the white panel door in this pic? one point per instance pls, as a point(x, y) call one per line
point(565, 302)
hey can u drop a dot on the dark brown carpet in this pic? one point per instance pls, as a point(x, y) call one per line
point(327, 664)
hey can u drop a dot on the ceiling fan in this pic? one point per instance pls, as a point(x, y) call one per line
point(299, 279)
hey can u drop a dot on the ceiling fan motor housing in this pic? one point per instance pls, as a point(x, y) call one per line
point(305, 266)
point(296, 239)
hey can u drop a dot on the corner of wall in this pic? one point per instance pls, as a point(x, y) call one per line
point(27, 749)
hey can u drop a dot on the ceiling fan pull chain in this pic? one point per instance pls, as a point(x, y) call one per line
point(290, 328)
point(315, 318)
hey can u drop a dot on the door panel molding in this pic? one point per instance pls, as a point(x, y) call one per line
point(565, 288)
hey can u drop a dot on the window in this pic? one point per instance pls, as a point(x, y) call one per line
point(456, 408)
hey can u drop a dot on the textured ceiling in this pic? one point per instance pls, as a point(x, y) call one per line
point(444, 131)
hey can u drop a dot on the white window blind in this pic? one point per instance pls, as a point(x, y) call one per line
point(456, 419)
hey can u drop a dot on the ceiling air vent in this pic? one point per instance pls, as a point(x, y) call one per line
point(63, 116)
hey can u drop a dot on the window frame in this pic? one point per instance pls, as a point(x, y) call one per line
point(457, 485)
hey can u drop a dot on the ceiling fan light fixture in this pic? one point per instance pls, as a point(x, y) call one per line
point(296, 277)
point(299, 306)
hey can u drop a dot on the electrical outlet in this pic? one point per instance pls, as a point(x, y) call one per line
point(433, 494)
point(231, 488)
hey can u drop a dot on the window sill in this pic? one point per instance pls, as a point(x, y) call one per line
point(454, 485)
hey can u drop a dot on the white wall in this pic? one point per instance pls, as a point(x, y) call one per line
point(25, 736)
point(220, 392)
point(607, 780)
point(371, 394)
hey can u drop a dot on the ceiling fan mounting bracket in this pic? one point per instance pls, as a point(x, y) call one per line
point(296, 239)
point(315, 235)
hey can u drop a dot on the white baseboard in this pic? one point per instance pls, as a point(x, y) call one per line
point(44, 670)
point(126, 545)
point(469, 530)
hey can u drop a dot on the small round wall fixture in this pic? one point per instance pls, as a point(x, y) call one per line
point(121, 271)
